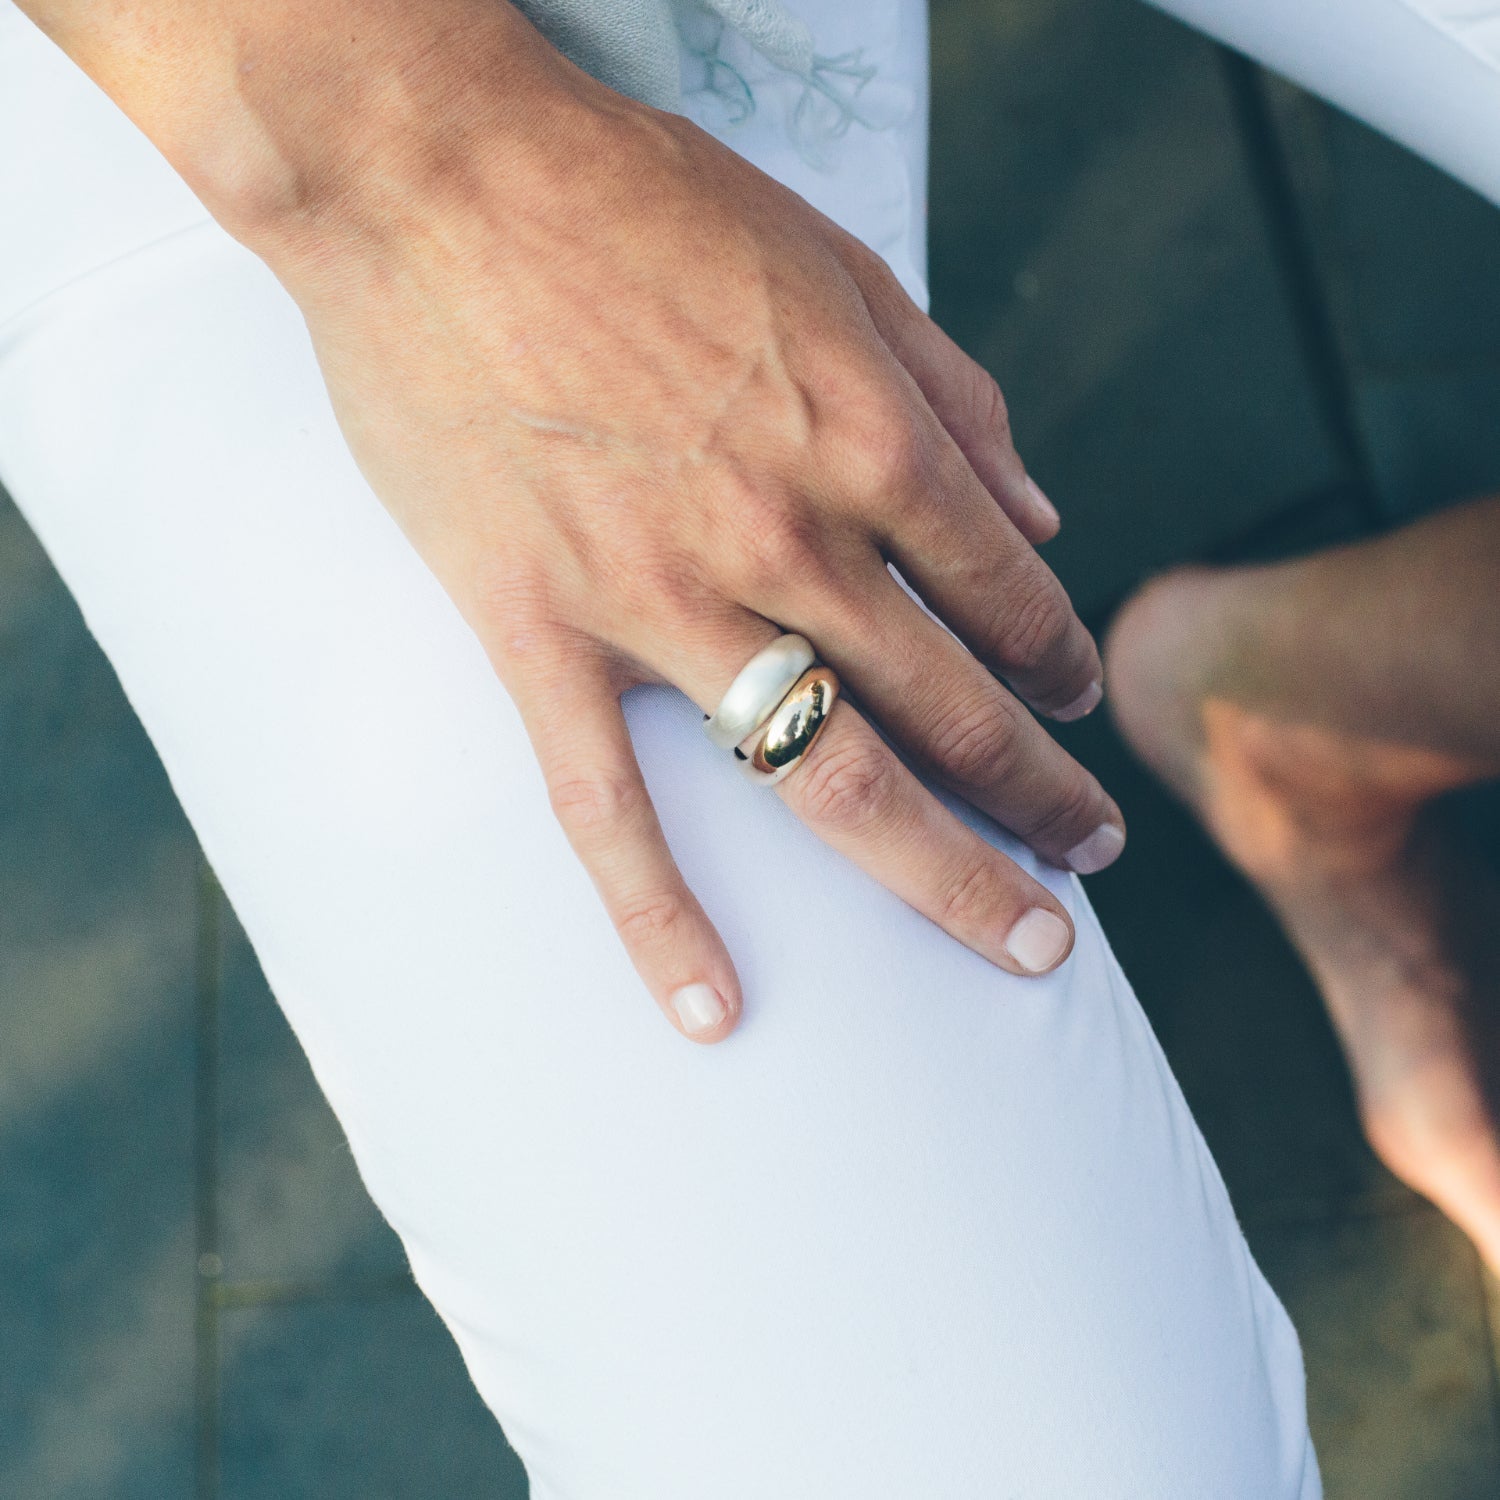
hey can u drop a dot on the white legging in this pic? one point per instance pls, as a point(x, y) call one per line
point(918, 1229)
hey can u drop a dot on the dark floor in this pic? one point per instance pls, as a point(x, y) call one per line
point(1230, 323)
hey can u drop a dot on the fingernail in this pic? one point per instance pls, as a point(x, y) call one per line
point(1085, 703)
point(1098, 851)
point(1038, 940)
point(1043, 505)
point(698, 1007)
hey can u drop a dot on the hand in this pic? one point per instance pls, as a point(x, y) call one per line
point(642, 409)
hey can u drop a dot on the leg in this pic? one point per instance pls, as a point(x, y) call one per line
point(1312, 725)
point(917, 1229)
point(1310, 713)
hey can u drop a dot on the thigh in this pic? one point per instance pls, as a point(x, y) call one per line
point(1427, 72)
point(918, 1228)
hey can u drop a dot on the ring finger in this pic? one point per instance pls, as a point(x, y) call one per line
point(855, 793)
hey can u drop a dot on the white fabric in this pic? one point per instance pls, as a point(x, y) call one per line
point(1427, 72)
point(635, 46)
point(629, 44)
point(919, 1229)
point(1476, 23)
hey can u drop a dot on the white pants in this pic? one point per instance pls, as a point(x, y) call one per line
point(919, 1229)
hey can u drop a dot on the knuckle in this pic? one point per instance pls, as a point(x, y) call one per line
point(592, 804)
point(1033, 623)
point(658, 587)
point(899, 453)
point(846, 790)
point(971, 897)
point(889, 452)
point(509, 590)
point(651, 919)
point(515, 618)
point(876, 280)
point(974, 741)
point(988, 406)
point(780, 547)
point(1077, 811)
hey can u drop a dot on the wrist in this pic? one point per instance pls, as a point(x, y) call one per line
point(352, 135)
point(304, 127)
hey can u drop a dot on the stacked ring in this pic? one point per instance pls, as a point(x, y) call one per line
point(774, 709)
point(777, 749)
point(756, 693)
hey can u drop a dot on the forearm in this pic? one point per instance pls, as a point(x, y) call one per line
point(329, 116)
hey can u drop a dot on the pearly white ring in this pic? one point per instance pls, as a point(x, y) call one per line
point(756, 693)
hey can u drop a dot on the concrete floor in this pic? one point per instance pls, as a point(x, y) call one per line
point(1230, 323)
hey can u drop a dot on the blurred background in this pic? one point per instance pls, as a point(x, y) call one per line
point(1231, 324)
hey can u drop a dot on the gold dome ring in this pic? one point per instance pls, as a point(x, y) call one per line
point(779, 747)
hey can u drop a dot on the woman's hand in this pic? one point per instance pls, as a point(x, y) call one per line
point(642, 409)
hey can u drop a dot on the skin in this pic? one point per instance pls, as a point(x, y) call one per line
point(1313, 714)
point(640, 409)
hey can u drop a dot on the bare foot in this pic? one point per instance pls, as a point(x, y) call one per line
point(1396, 922)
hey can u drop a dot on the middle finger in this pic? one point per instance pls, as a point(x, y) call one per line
point(946, 708)
point(966, 559)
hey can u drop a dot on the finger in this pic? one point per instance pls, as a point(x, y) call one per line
point(571, 706)
point(987, 583)
point(963, 396)
point(941, 704)
point(856, 795)
point(854, 792)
